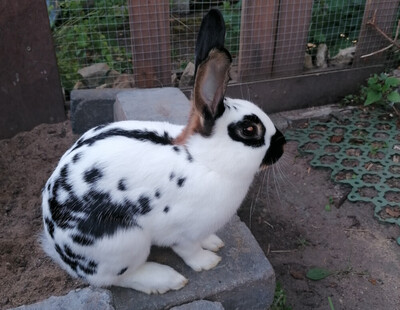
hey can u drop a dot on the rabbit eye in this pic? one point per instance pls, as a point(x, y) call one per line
point(249, 131)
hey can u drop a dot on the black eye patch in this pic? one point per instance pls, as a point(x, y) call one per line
point(250, 131)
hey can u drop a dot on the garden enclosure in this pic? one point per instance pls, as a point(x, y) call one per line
point(286, 53)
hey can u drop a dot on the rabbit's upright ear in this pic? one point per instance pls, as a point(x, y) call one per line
point(213, 63)
point(211, 35)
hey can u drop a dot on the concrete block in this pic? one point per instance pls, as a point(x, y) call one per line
point(155, 104)
point(200, 305)
point(91, 107)
point(244, 279)
point(84, 299)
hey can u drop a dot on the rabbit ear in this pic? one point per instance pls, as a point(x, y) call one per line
point(211, 82)
point(211, 35)
point(213, 63)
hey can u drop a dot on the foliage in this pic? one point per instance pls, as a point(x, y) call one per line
point(316, 274)
point(279, 302)
point(231, 13)
point(381, 89)
point(336, 23)
point(86, 34)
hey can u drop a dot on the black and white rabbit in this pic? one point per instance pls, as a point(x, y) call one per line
point(128, 185)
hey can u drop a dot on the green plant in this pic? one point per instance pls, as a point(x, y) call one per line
point(382, 90)
point(231, 13)
point(279, 302)
point(328, 206)
point(336, 23)
point(85, 35)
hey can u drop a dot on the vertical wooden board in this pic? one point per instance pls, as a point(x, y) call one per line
point(257, 38)
point(150, 35)
point(30, 89)
point(291, 38)
point(369, 39)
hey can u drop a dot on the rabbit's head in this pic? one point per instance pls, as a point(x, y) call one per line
point(233, 129)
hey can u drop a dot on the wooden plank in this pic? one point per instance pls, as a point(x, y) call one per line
point(150, 35)
point(30, 89)
point(291, 38)
point(257, 39)
point(302, 91)
point(369, 39)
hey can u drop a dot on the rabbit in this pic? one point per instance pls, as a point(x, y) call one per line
point(125, 186)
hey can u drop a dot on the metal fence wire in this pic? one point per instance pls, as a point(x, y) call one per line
point(120, 43)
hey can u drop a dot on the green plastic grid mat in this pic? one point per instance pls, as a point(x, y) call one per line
point(363, 150)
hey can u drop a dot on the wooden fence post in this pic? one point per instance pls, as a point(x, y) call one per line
point(150, 35)
point(257, 39)
point(30, 88)
point(291, 37)
point(369, 39)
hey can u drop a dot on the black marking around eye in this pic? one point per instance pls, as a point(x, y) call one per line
point(141, 135)
point(235, 131)
point(122, 271)
point(166, 209)
point(181, 182)
point(76, 157)
point(122, 185)
point(50, 227)
point(92, 175)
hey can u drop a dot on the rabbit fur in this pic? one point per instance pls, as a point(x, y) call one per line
point(125, 186)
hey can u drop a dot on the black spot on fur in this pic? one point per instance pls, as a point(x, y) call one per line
point(181, 182)
point(171, 176)
point(176, 149)
point(122, 271)
point(239, 131)
point(189, 156)
point(48, 187)
point(141, 135)
point(122, 185)
point(100, 127)
point(275, 149)
point(92, 175)
point(144, 204)
point(82, 240)
point(75, 261)
point(76, 157)
point(50, 227)
point(157, 194)
point(166, 209)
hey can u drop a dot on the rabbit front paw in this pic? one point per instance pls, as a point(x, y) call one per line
point(197, 258)
point(212, 243)
point(153, 278)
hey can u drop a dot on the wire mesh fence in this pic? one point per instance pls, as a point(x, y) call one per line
point(132, 40)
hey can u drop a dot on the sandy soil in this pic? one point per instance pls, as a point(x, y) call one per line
point(285, 210)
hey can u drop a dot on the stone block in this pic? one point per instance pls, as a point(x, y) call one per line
point(91, 107)
point(200, 305)
point(155, 104)
point(244, 279)
point(88, 298)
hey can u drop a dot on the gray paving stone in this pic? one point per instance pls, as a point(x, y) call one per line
point(200, 305)
point(156, 104)
point(244, 279)
point(84, 299)
point(91, 107)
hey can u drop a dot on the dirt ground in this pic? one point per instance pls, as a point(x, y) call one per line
point(285, 210)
